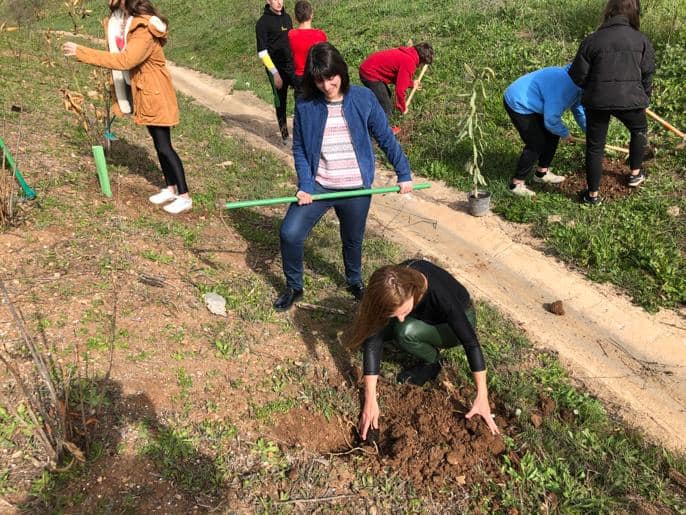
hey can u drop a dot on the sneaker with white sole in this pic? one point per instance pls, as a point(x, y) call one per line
point(549, 178)
point(180, 205)
point(635, 180)
point(162, 197)
point(521, 190)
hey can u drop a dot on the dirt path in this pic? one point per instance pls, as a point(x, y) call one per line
point(634, 361)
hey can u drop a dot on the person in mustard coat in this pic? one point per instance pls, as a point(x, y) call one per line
point(136, 33)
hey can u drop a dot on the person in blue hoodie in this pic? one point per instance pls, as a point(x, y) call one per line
point(332, 149)
point(535, 103)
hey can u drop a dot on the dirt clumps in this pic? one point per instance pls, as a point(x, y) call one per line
point(613, 184)
point(557, 308)
point(425, 438)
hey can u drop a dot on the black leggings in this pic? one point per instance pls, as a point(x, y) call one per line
point(596, 133)
point(281, 97)
point(539, 143)
point(383, 94)
point(171, 164)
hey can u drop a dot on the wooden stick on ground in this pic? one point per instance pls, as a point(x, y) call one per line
point(666, 124)
point(416, 86)
point(609, 147)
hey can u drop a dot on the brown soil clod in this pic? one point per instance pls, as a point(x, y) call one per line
point(536, 420)
point(556, 307)
point(547, 405)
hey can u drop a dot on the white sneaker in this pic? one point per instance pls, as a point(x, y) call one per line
point(180, 205)
point(163, 196)
point(549, 178)
point(521, 190)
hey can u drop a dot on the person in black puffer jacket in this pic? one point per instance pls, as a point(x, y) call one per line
point(614, 66)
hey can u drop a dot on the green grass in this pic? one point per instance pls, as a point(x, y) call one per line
point(581, 454)
point(629, 242)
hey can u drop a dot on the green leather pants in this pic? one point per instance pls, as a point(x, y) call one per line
point(423, 340)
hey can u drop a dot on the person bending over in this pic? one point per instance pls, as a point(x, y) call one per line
point(535, 103)
point(421, 308)
point(395, 66)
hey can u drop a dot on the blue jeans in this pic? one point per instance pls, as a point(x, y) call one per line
point(299, 221)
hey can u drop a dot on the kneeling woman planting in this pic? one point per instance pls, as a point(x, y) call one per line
point(421, 308)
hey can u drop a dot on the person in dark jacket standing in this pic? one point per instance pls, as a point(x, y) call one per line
point(614, 66)
point(275, 52)
point(332, 148)
point(421, 308)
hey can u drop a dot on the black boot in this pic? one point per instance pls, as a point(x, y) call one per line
point(287, 298)
point(357, 290)
point(420, 374)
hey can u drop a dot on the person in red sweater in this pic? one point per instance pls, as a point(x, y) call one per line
point(302, 39)
point(394, 66)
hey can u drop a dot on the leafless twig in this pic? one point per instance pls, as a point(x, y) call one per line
point(319, 499)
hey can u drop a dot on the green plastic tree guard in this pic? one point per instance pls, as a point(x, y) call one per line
point(28, 192)
point(101, 167)
point(321, 196)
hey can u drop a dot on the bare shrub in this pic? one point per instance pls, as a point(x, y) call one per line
point(8, 193)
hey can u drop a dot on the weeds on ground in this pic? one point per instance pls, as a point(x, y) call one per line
point(577, 458)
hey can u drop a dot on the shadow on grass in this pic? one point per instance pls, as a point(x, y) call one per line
point(262, 234)
point(163, 469)
point(265, 130)
point(137, 160)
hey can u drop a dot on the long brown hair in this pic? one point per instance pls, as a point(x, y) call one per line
point(629, 8)
point(389, 287)
point(139, 7)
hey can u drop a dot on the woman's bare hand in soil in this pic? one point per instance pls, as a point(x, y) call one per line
point(482, 408)
point(368, 418)
point(69, 48)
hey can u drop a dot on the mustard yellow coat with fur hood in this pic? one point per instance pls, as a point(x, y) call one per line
point(154, 98)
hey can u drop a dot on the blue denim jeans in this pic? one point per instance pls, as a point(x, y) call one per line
point(299, 221)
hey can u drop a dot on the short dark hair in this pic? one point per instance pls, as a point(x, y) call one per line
point(425, 52)
point(629, 8)
point(303, 11)
point(324, 61)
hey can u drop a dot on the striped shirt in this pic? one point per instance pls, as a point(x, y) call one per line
point(338, 168)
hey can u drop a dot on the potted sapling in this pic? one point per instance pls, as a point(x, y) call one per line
point(471, 130)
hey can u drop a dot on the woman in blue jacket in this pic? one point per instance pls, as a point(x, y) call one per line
point(332, 149)
point(535, 103)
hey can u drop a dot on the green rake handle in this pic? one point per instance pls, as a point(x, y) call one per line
point(322, 196)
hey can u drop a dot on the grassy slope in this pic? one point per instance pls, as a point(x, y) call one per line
point(588, 462)
point(632, 242)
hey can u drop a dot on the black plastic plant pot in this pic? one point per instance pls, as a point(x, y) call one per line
point(480, 204)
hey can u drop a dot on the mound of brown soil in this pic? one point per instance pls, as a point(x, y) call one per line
point(425, 438)
point(613, 184)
